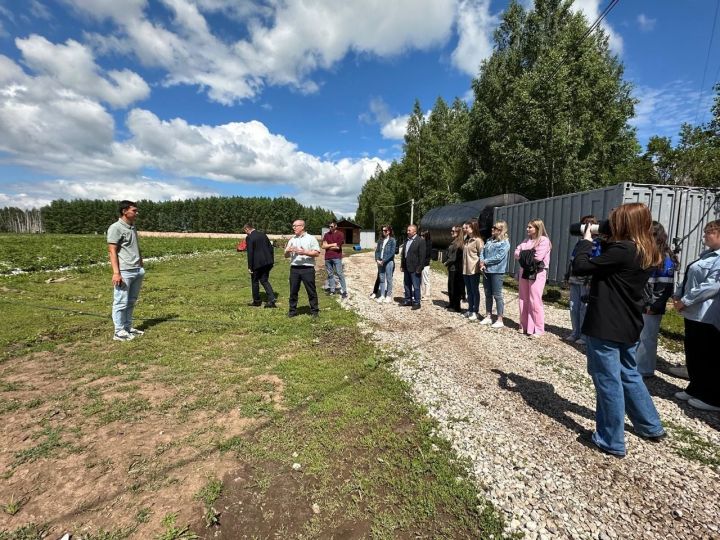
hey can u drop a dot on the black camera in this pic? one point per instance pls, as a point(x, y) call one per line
point(578, 229)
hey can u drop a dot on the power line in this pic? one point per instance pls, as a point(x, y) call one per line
point(707, 61)
point(576, 47)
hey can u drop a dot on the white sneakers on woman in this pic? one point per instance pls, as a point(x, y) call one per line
point(497, 324)
point(486, 320)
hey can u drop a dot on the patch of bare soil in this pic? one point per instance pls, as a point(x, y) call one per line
point(77, 473)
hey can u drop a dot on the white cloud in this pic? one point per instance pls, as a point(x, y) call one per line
point(661, 111)
point(285, 48)
point(475, 26)
point(39, 10)
point(43, 193)
point(50, 128)
point(73, 67)
point(395, 128)
point(645, 23)
point(591, 10)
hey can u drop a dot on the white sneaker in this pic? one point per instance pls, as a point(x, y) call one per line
point(388, 300)
point(372, 295)
point(679, 372)
point(497, 324)
point(467, 314)
point(123, 335)
point(699, 404)
point(472, 317)
point(683, 396)
point(486, 320)
point(379, 300)
point(136, 332)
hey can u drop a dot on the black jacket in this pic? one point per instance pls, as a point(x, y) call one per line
point(414, 261)
point(616, 302)
point(454, 259)
point(259, 250)
point(530, 266)
point(428, 252)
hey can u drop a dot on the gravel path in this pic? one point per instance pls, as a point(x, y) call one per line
point(516, 406)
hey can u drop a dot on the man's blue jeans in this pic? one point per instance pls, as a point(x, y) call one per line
point(412, 287)
point(386, 278)
point(124, 298)
point(334, 266)
point(619, 389)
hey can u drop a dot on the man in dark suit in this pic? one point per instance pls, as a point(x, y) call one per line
point(412, 260)
point(260, 258)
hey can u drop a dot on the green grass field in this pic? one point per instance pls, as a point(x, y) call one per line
point(221, 415)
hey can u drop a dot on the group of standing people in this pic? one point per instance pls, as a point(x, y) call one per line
point(619, 289)
point(469, 260)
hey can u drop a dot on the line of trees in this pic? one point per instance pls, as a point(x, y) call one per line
point(550, 116)
point(212, 214)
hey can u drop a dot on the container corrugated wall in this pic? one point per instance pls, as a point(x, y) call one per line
point(683, 211)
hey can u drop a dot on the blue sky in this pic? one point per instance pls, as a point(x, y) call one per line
point(169, 99)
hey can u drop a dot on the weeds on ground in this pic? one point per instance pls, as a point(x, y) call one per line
point(208, 495)
point(689, 445)
point(173, 532)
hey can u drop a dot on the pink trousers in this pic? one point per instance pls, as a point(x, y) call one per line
point(532, 313)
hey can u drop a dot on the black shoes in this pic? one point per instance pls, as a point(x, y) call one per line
point(654, 438)
point(255, 304)
point(270, 305)
point(416, 306)
point(292, 314)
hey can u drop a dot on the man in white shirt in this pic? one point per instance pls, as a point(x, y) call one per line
point(302, 249)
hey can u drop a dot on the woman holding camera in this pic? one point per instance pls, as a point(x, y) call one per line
point(612, 326)
point(698, 301)
point(533, 255)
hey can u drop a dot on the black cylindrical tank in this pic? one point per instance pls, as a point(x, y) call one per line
point(439, 221)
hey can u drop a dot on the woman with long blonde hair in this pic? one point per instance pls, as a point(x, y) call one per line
point(493, 266)
point(613, 323)
point(533, 254)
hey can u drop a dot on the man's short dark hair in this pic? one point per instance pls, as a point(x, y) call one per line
point(332, 222)
point(124, 205)
point(248, 226)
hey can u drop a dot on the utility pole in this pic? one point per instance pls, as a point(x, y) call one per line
point(412, 211)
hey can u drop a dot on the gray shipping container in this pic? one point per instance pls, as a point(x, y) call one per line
point(683, 211)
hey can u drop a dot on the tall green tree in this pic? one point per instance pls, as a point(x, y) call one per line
point(551, 107)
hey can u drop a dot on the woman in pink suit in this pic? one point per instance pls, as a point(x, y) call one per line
point(534, 257)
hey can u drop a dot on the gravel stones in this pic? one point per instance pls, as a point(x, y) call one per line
point(516, 409)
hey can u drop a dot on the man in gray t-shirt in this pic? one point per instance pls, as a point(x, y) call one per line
point(128, 272)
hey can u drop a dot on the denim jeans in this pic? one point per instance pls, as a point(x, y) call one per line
point(412, 287)
point(334, 266)
point(386, 278)
point(472, 287)
point(646, 356)
point(619, 390)
point(124, 297)
point(577, 307)
point(493, 286)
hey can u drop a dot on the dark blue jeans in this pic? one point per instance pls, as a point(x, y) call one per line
point(472, 288)
point(412, 287)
